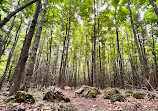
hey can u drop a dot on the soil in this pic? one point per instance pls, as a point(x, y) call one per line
point(81, 103)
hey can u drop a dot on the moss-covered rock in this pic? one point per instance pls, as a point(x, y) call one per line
point(61, 107)
point(55, 95)
point(22, 96)
point(117, 97)
point(139, 95)
point(113, 94)
point(110, 92)
point(88, 92)
point(128, 93)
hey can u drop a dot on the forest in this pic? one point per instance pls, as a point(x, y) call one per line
point(79, 55)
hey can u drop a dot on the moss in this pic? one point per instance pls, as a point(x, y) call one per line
point(128, 93)
point(117, 97)
point(10, 98)
point(90, 92)
point(64, 108)
point(22, 96)
point(110, 92)
point(55, 97)
point(139, 95)
point(113, 94)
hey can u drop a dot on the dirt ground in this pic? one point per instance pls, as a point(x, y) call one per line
point(81, 103)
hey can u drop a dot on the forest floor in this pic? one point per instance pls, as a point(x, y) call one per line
point(81, 103)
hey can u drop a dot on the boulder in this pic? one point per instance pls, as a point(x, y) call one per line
point(139, 95)
point(87, 91)
point(128, 93)
point(22, 96)
point(113, 94)
point(61, 107)
point(55, 95)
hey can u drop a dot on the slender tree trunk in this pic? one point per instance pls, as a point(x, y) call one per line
point(10, 55)
point(119, 55)
point(24, 53)
point(62, 60)
point(115, 81)
point(154, 6)
point(144, 68)
point(67, 46)
point(10, 70)
point(94, 51)
point(8, 17)
point(154, 57)
point(3, 45)
point(87, 61)
point(1, 40)
point(55, 64)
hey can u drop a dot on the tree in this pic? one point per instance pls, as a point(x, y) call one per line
point(154, 6)
point(8, 17)
point(18, 72)
point(31, 62)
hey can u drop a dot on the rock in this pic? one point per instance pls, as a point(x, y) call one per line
point(22, 96)
point(117, 97)
point(87, 91)
point(55, 95)
point(139, 95)
point(128, 93)
point(81, 90)
point(110, 92)
point(113, 94)
point(61, 107)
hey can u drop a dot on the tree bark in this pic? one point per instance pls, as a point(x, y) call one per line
point(24, 53)
point(67, 46)
point(10, 55)
point(7, 18)
point(144, 68)
point(3, 45)
point(94, 51)
point(1, 40)
point(31, 62)
point(154, 6)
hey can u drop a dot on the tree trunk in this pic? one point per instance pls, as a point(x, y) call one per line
point(55, 64)
point(62, 60)
point(120, 60)
point(87, 61)
point(67, 46)
point(24, 53)
point(31, 62)
point(154, 6)
point(10, 55)
point(154, 57)
point(1, 40)
point(8, 17)
point(141, 59)
point(94, 51)
point(3, 45)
